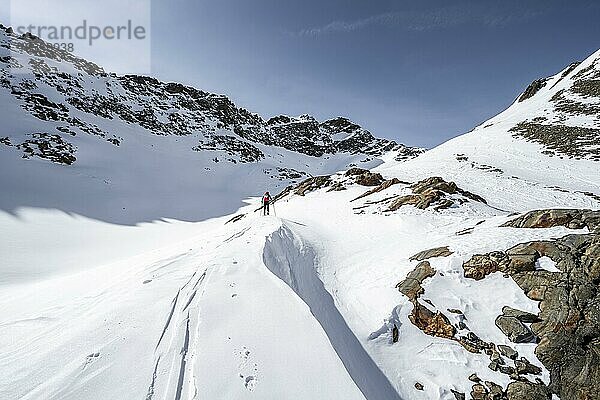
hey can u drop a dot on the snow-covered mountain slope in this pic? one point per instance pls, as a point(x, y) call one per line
point(546, 141)
point(203, 318)
point(416, 280)
point(97, 144)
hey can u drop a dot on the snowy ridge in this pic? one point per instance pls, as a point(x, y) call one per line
point(114, 131)
point(526, 165)
point(293, 261)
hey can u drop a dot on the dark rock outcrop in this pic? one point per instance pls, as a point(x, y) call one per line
point(234, 147)
point(434, 192)
point(312, 184)
point(525, 367)
point(525, 390)
point(165, 108)
point(381, 187)
point(516, 330)
point(47, 146)
point(508, 351)
point(578, 98)
point(521, 315)
point(569, 320)
point(365, 177)
point(565, 140)
point(570, 218)
point(432, 253)
point(532, 89)
point(411, 285)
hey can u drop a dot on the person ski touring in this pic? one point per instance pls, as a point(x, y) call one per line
point(266, 199)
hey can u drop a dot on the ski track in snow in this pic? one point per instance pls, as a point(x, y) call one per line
point(207, 289)
point(179, 364)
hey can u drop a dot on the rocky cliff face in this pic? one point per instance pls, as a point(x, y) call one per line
point(71, 95)
point(563, 112)
point(568, 325)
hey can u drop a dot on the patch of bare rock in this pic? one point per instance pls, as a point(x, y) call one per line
point(568, 325)
point(435, 192)
point(503, 359)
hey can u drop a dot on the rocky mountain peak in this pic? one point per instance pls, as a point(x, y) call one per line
point(69, 94)
point(561, 112)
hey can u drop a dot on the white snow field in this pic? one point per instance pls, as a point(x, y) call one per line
point(200, 317)
point(297, 306)
point(300, 304)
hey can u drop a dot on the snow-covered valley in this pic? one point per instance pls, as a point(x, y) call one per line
point(145, 271)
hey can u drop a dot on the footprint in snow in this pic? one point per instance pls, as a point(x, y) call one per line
point(90, 359)
point(248, 369)
point(250, 382)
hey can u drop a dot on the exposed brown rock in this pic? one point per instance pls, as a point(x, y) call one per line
point(473, 344)
point(519, 258)
point(433, 324)
point(336, 187)
point(479, 392)
point(516, 331)
point(569, 318)
point(433, 192)
point(411, 285)
point(438, 183)
point(410, 199)
point(382, 187)
point(570, 218)
point(481, 265)
point(431, 253)
point(495, 391)
point(525, 390)
point(369, 179)
point(365, 177)
point(356, 171)
point(312, 184)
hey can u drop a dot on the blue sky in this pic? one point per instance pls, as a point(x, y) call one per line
point(419, 72)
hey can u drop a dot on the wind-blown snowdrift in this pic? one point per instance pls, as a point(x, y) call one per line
point(293, 261)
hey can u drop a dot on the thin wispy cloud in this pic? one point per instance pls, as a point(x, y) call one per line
point(424, 21)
